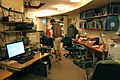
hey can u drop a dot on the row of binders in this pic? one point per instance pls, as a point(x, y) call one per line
point(112, 8)
point(109, 23)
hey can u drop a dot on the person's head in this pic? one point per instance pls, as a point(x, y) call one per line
point(52, 21)
point(42, 35)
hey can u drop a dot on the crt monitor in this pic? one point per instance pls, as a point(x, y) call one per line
point(15, 49)
point(25, 41)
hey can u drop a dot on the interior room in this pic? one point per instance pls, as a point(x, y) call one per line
point(59, 39)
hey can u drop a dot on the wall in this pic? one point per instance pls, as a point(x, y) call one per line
point(16, 5)
point(41, 24)
point(65, 24)
point(76, 16)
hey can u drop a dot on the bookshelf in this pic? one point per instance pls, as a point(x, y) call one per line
point(103, 18)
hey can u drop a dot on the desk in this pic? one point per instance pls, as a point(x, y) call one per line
point(95, 48)
point(18, 66)
point(4, 74)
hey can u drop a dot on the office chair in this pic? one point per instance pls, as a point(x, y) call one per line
point(67, 43)
point(75, 50)
point(106, 70)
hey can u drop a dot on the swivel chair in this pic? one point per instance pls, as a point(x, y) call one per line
point(106, 70)
point(67, 43)
point(75, 50)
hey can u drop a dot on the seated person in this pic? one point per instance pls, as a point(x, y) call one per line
point(77, 36)
point(44, 40)
point(89, 41)
point(96, 40)
point(82, 38)
point(67, 41)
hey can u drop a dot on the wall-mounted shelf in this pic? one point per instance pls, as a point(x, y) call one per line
point(18, 31)
point(18, 26)
point(16, 23)
point(92, 29)
point(11, 10)
point(101, 16)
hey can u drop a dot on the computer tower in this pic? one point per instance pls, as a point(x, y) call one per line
point(40, 68)
point(3, 54)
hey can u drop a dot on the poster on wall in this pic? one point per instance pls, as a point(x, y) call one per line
point(33, 37)
point(72, 21)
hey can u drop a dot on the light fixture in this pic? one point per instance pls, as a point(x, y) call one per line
point(75, 0)
point(60, 8)
point(33, 4)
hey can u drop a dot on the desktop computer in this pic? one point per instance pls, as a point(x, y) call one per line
point(3, 54)
point(40, 68)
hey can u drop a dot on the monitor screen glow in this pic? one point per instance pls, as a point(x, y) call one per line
point(14, 49)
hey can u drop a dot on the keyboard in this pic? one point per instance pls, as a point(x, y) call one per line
point(25, 59)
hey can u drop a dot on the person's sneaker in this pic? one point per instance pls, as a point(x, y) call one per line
point(56, 60)
point(60, 59)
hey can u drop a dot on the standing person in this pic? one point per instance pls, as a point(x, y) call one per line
point(57, 38)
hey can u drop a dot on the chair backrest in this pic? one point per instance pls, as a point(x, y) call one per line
point(107, 70)
point(51, 42)
point(67, 41)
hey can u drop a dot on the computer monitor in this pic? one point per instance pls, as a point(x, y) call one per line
point(25, 41)
point(15, 49)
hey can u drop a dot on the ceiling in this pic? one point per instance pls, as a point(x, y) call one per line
point(50, 6)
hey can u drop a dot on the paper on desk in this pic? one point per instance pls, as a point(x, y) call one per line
point(114, 51)
point(96, 46)
point(8, 62)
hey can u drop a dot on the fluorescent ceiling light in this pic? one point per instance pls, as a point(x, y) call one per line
point(75, 0)
point(61, 8)
point(35, 3)
point(44, 13)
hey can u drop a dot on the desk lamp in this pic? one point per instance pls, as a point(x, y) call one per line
point(103, 43)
